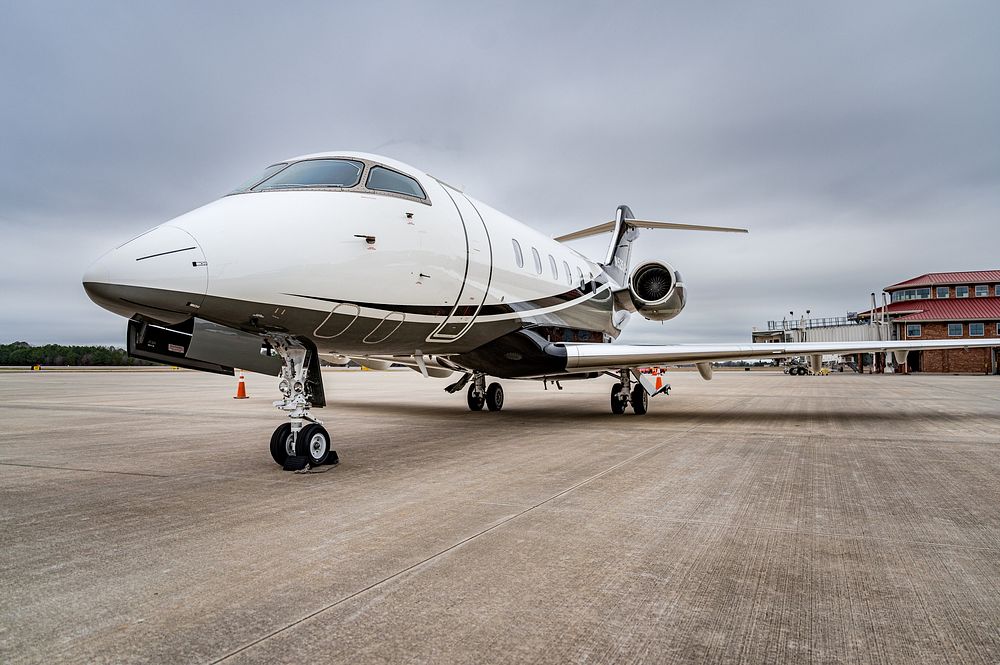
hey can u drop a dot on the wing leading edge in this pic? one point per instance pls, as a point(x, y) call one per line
point(616, 356)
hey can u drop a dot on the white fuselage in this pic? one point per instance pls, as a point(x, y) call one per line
point(356, 271)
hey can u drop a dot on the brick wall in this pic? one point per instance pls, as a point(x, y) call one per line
point(976, 361)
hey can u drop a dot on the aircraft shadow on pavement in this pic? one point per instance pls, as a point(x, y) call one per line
point(592, 412)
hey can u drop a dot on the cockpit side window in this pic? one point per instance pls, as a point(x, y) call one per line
point(382, 179)
point(260, 177)
point(311, 173)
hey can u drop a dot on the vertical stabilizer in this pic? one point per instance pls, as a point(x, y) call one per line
point(620, 250)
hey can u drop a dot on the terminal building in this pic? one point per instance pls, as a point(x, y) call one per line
point(943, 305)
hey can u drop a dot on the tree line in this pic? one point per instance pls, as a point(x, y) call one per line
point(24, 354)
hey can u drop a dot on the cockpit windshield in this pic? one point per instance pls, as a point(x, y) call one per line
point(314, 173)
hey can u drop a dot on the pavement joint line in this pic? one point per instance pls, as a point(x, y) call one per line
point(68, 468)
point(451, 547)
point(778, 529)
point(963, 393)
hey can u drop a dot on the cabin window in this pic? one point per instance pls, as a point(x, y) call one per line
point(538, 260)
point(555, 268)
point(913, 330)
point(382, 179)
point(982, 290)
point(518, 257)
point(569, 275)
point(961, 292)
point(977, 329)
point(579, 276)
point(315, 173)
point(942, 292)
point(954, 330)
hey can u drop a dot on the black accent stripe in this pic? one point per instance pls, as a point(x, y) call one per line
point(445, 310)
point(173, 251)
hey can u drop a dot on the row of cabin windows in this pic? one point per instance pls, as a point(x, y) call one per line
point(954, 329)
point(981, 291)
point(553, 266)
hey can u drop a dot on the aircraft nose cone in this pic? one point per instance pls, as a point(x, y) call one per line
point(162, 274)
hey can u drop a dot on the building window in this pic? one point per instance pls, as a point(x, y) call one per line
point(996, 290)
point(518, 257)
point(998, 330)
point(961, 292)
point(913, 330)
point(954, 330)
point(977, 329)
point(982, 290)
point(942, 292)
point(911, 294)
point(538, 260)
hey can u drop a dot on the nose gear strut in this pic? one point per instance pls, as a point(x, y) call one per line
point(296, 444)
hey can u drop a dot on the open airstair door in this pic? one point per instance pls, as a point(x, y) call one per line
point(478, 272)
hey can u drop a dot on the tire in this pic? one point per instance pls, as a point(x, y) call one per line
point(313, 443)
point(617, 403)
point(475, 400)
point(640, 400)
point(279, 443)
point(494, 397)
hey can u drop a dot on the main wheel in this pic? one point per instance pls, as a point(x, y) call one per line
point(476, 399)
point(313, 443)
point(494, 397)
point(618, 403)
point(282, 444)
point(640, 400)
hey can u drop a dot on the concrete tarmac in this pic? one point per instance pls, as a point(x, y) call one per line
point(754, 518)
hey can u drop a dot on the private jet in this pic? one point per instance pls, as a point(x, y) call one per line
point(346, 256)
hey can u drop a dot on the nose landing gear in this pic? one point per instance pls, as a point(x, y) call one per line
point(303, 441)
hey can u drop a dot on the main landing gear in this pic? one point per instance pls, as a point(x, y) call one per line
point(303, 441)
point(623, 394)
point(479, 394)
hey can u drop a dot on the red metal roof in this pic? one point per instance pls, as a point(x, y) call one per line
point(934, 278)
point(945, 309)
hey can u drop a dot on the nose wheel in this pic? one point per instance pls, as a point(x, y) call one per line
point(282, 444)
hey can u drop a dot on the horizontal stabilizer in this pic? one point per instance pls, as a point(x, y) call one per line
point(646, 224)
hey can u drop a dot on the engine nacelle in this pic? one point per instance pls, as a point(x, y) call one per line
point(656, 291)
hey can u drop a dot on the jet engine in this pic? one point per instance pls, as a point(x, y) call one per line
point(656, 291)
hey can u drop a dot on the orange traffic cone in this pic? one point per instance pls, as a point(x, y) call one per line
point(241, 388)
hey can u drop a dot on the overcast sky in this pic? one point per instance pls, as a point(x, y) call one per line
point(860, 142)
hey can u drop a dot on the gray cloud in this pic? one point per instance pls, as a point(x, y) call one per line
point(859, 141)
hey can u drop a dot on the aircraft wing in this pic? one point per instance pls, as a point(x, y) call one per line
point(589, 357)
